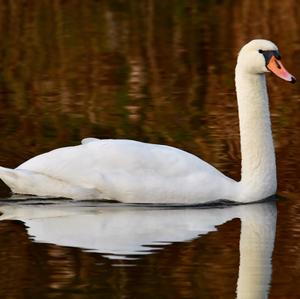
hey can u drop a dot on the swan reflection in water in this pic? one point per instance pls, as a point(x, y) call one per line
point(118, 231)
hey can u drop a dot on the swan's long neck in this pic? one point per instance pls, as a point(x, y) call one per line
point(258, 177)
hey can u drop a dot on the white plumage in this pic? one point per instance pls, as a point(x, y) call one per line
point(136, 172)
point(124, 170)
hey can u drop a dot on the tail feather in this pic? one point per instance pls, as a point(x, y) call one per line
point(7, 175)
point(24, 181)
point(13, 178)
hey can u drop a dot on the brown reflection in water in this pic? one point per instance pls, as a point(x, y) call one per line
point(158, 71)
point(182, 270)
point(13, 266)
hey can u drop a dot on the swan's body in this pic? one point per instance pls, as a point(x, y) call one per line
point(131, 171)
point(125, 170)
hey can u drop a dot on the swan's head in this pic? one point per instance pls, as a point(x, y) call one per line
point(262, 56)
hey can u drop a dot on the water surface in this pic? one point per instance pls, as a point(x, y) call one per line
point(155, 71)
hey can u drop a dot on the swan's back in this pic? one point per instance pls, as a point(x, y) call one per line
point(117, 155)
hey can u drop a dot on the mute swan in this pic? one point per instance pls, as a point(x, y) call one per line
point(136, 172)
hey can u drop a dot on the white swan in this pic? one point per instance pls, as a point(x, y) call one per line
point(131, 171)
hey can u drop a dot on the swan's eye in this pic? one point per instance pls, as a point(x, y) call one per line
point(269, 53)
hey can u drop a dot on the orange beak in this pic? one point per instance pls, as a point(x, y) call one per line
point(276, 67)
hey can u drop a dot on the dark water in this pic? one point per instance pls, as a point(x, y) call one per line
point(156, 71)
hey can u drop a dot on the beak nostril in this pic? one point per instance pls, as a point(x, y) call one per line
point(277, 64)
